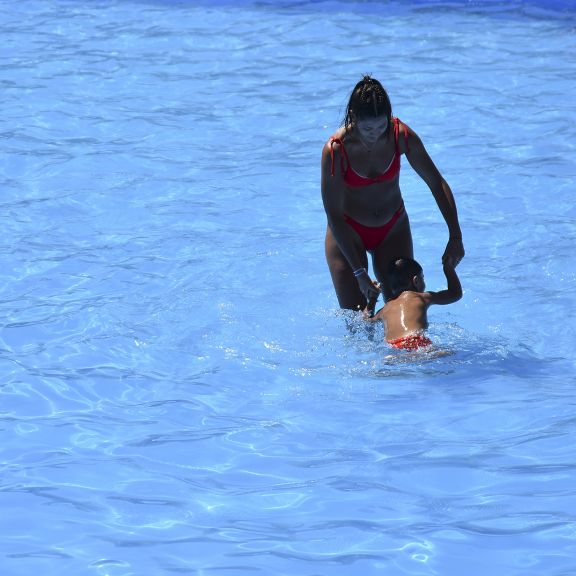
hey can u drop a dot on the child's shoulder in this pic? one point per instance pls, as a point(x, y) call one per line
point(410, 299)
point(409, 295)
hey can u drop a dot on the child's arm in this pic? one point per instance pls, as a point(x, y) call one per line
point(369, 315)
point(454, 291)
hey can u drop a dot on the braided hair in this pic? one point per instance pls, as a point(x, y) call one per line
point(369, 99)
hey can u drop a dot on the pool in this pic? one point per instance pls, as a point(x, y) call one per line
point(180, 393)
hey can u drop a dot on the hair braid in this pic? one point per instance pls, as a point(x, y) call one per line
point(369, 99)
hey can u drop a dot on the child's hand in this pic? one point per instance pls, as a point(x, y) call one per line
point(368, 315)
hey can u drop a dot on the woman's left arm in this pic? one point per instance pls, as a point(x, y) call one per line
point(425, 168)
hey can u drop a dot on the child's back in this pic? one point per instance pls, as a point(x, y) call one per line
point(405, 316)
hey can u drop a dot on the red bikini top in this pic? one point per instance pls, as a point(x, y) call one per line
point(352, 178)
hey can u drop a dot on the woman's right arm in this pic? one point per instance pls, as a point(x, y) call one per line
point(332, 186)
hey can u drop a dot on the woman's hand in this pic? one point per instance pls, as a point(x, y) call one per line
point(454, 252)
point(370, 289)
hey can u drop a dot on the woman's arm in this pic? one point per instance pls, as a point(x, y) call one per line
point(425, 168)
point(332, 186)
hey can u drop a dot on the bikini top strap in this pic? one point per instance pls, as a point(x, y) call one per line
point(343, 155)
point(397, 133)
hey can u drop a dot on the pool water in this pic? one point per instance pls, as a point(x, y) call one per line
point(179, 392)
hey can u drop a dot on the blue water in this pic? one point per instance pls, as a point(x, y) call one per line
point(179, 392)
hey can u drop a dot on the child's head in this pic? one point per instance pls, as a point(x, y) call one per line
point(405, 274)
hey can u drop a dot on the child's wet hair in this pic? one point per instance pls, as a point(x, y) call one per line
point(401, 272)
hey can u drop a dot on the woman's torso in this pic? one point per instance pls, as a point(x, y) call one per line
point(370, 178)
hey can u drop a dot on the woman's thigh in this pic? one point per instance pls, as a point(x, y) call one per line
point(398, 244)
point(345, 284)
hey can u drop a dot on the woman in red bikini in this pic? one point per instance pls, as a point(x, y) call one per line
point(362, 198)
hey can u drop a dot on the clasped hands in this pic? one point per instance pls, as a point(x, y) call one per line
point(370, 289)
point(454, 252)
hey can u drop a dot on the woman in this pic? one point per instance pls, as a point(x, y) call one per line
point(362, 198)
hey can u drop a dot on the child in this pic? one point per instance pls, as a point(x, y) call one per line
point(404, 315)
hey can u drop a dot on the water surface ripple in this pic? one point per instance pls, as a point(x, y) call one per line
point(179, 392)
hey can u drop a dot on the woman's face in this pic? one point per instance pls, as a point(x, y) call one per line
point(371, 129)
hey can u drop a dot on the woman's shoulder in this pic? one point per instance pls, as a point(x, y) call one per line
point(337, 137)
point(406, 136)
point(334, 142)
point(403, 127)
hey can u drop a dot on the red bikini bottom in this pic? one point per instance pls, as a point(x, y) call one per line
point(372, 235)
